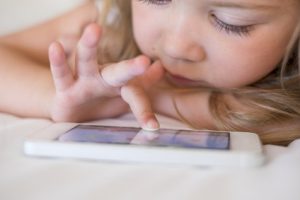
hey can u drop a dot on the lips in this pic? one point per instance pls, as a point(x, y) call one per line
point(181, 81)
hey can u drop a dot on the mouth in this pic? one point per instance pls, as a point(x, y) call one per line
point(181, 81)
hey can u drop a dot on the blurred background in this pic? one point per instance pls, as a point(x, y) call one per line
point(16, 15)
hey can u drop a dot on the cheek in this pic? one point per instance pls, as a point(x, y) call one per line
point(146, 29)
point(242, 63)
point(142, 38)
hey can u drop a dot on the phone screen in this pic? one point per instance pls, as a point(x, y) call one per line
point(137, 136)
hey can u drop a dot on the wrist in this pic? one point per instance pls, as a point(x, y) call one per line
point(45, 97)
point(48, 101)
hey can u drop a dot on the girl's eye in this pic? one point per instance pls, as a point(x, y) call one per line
point(156, 2)
point(229, 28)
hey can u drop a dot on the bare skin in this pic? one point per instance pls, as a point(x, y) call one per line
point(81, 92)
point(69, 84)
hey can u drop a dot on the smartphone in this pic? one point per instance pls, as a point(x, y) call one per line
point(132, 144)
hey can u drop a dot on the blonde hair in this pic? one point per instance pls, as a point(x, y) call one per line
point(118, 42)
point(273, 100)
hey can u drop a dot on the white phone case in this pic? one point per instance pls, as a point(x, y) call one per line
point(245, 150)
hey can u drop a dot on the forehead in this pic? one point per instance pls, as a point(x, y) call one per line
point(253, 3)
point(283, 6)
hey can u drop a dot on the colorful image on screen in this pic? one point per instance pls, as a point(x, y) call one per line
point(137, 136)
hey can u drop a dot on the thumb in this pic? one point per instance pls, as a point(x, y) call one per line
point(154, 74)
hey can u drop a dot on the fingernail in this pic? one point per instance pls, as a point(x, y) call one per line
point(142, 60)
point(151, 125)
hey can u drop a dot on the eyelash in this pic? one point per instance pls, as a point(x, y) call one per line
point(156, 2)
point(229, 28)
point(219, 24)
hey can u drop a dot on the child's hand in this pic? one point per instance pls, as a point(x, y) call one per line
point(134, 93)
point(91, 91)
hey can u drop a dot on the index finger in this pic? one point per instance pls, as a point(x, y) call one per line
point(140, 106)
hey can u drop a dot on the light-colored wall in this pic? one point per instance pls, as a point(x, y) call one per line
point(18, 14)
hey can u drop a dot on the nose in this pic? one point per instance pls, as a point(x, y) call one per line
point(181, 42)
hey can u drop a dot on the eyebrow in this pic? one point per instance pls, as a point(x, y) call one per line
point(242, 5)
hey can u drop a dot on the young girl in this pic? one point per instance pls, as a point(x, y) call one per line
point(226, 65)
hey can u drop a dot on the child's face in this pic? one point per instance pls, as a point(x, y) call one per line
point(219, 43)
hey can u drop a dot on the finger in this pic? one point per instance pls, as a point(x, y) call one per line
point(69, 42)
point(61, 72)
point(119, 74)
point(152, 75)
point(140, 105)
point(86, 57)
